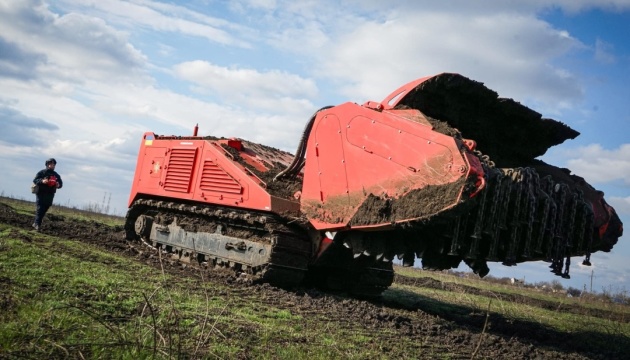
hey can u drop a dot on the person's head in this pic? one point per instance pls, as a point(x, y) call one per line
point(51, 163)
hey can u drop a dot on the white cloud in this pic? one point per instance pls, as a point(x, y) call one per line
point(599, 165)
point(262, 4)
point(18, 63)
point(604, 52)
point(385, 55)
point(243, 84)
point(370, 49)
point(163, 17)
point(69, 47)
point(621, 205)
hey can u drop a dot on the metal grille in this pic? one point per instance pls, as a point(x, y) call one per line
point(215, 179)
point(179, 170)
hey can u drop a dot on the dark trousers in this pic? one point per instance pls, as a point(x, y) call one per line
point(43, 202)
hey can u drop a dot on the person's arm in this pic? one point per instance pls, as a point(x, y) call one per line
point(39, 177)
point(59, 181)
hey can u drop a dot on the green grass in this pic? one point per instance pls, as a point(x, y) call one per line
point(593, 322)
point(447, 303)
point(28, 207)
point(69, 303)
point(497, 288)
point(67, 299)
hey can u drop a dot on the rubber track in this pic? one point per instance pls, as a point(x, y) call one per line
point(291, 248)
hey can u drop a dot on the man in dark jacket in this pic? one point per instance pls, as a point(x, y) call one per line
point(48, 182)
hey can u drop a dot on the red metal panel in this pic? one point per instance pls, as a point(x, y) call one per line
point(365, 152)
point(330, 158)
point(325, 188)
point(179, 169)
point(389, 142)
point(392, 99)
point(215, 179)
point(152, 167)
point(222, 180)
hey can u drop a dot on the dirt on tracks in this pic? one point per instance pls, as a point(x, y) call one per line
point(456, 334)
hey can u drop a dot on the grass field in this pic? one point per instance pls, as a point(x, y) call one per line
point(70, 297)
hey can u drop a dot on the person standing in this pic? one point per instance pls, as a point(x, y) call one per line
point(48, 181)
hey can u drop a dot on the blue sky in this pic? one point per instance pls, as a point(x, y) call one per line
point(81, 80)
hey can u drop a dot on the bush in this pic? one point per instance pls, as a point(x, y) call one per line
point(574, 292)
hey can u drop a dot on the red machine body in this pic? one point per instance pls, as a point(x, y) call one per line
point(204, 171)
point(353, 151)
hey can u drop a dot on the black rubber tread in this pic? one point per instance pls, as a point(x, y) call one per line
point(291, 248)
point(374, 279)
point(339, 270)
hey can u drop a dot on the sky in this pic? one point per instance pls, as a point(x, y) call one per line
point(82, 80)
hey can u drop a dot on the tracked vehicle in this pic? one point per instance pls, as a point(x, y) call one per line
point(442, 170)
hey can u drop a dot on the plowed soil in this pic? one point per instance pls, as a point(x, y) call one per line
point(456, 335)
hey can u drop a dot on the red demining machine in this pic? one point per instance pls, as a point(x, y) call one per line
point(442, 169)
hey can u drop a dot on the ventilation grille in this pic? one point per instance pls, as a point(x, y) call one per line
point(179, 170)
point(215, 179)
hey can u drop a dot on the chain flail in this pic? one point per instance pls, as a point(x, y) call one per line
point(560, 194)
point(519, 217)
point(570, 231)
point(532, 205)
point(517, 188)
point(588, 235)
point(546, 205)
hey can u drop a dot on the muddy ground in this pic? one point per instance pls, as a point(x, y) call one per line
point(458, 333)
